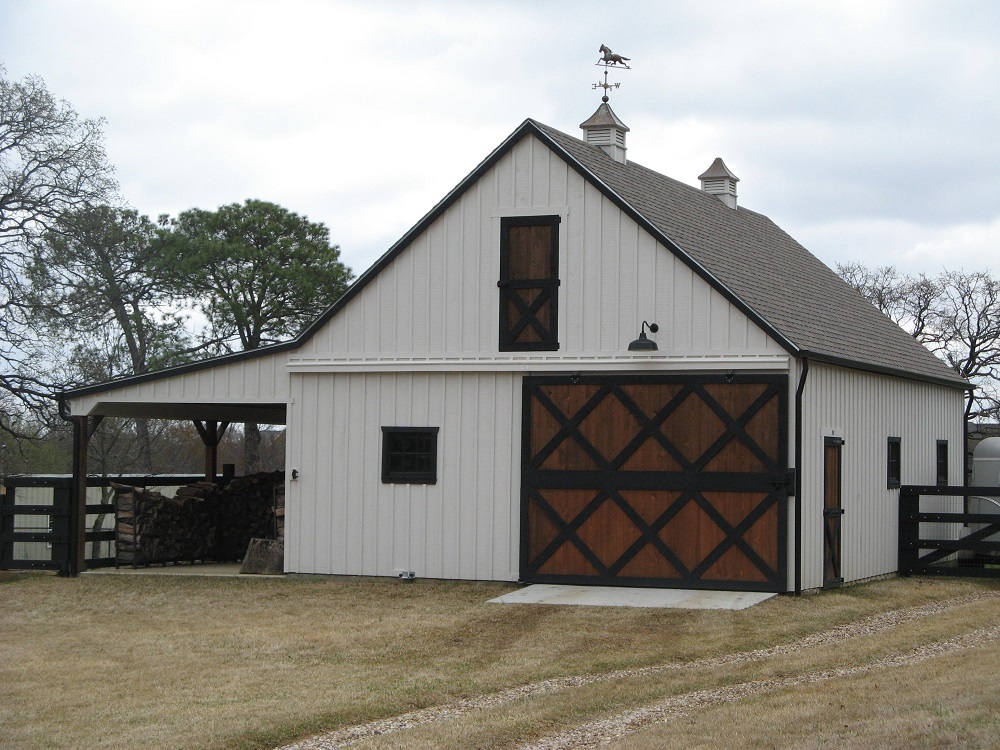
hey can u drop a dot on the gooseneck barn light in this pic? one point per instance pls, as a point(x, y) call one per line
point(643, 344)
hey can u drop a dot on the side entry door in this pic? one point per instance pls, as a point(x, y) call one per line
point(833, 511)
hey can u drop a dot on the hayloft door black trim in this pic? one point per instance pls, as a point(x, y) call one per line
point(529, 283)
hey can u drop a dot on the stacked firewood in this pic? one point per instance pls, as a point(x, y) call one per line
point(245, 510)
point(201, 522)
point(279, 513)
point(152, 528)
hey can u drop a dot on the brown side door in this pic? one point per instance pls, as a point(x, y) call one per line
point(671, 481)
point(833, 511)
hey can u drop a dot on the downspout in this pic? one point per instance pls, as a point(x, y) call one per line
point(798, 475)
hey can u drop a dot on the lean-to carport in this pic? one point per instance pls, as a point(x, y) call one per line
point(246, 387)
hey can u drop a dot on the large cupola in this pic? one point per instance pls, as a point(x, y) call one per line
point(605, 130)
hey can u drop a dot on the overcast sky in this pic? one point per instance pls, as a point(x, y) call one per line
point(868, 130)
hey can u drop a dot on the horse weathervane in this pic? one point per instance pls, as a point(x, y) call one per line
point(610, 60)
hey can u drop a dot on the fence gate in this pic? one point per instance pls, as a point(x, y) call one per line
point(948, 542)
point(37, 520)
point(35, 531)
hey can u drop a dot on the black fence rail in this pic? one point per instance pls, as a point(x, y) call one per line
point(960, 543)
point(36, 536)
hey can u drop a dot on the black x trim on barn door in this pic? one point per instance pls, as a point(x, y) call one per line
point(649, 534)
point(567, 532)
point(528, 312)
point(735, 427)
point(689, 485)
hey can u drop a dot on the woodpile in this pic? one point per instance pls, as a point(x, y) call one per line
point(201, 522)
point(151, 528)
point(245, 510)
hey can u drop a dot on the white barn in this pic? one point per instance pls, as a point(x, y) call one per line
point(472, 409)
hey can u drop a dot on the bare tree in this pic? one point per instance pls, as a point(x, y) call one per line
point(51, 161)
point(955, 314)
point(906, 300)
point(967, 316)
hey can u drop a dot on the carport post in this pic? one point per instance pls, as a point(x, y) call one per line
point(83, 430)
point(211, 435)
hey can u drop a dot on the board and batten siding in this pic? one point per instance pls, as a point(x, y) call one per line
point(439, 297)
point(262, 379)
point(341, 518)
point(865, 409)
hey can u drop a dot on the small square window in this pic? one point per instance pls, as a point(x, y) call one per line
point(409, 455)
point(942, 463)
point(894, 470)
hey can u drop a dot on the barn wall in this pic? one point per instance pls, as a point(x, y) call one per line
point(865, 409)
point(343, 520)
point(439, 297)
point(255, 380)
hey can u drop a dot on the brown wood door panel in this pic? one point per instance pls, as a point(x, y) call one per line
point(832, 511)
point(650, 480)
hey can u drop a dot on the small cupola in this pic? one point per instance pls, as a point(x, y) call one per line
point(717, 180)
point(604, 129)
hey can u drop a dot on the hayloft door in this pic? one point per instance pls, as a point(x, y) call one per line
point(529, 283)
point(832, 512)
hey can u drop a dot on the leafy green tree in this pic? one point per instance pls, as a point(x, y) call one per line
point(95, 276)
point(258, 272)
point(51, 161)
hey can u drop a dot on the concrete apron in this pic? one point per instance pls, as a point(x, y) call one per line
point(614, 596)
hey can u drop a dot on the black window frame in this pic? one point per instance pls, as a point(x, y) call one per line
point(428, 459)
point(550, 285)
point(894, 463)
point(941, 462)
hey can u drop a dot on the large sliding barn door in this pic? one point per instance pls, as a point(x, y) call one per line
point(655, 481)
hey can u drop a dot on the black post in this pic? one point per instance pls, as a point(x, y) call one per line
point(909, 531)
point(76, 559)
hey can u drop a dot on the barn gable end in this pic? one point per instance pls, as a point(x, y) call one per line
point(438, 296)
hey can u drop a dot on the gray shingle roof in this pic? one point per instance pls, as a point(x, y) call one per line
point(784, 285)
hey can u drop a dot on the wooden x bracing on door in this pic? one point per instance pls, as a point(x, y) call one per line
point(620, 473)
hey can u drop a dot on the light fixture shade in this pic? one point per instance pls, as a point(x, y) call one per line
point(644, 344)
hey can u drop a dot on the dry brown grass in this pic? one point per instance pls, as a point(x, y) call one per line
point(166, 662)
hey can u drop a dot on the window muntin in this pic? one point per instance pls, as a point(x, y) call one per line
point(409, 455)
point(529, 283)
point(894, 468)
